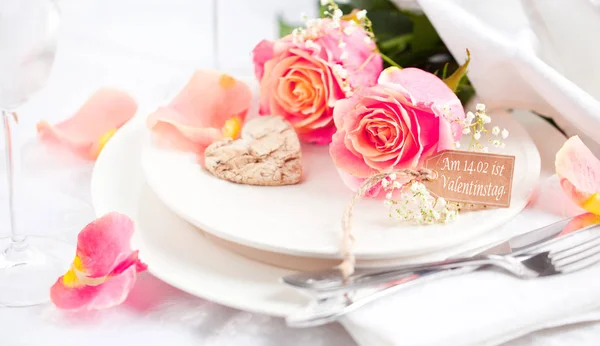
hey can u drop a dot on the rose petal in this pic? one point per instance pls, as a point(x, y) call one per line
point(104, 243)
point(346, 160)
point(262, 53)
point(196, 116)
point(580, 222)
point(579, 173)
point(426, 91)
point(86, 132)
point(82, 297)
point(174, 131)
point(104, 269)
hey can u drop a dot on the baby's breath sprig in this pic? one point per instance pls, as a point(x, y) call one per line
point(415, 204)
point(475, 125)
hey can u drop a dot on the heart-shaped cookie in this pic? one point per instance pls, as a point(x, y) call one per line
point(267, 153)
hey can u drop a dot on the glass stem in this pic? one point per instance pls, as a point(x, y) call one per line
point(18, 238)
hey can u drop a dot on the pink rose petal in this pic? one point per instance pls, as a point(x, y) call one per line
point(579, 173)
point(86, 132)
point(426, 91)
point(196, 116)
point(112, 293)
point(104, 269)
point(580, 222)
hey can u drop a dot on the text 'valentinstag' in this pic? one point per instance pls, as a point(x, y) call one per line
point(472, 177)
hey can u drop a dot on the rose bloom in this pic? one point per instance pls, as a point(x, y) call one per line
point(409, 116)
point(302, 76)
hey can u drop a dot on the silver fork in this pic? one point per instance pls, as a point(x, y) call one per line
point(566, 256)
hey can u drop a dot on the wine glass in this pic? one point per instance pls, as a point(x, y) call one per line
point(29, 265)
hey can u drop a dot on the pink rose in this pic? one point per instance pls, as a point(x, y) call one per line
point(301, 78)
point(410, 115)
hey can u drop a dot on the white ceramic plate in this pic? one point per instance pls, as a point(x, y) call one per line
point(304, 219)
point(175, 251)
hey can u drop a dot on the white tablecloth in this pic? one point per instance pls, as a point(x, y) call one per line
point(149, 47)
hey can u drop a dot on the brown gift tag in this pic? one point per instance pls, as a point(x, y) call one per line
point(471, 177)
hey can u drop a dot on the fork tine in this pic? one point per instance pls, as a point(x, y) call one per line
point(574, 249)
point(579, 260)
point(581, 264)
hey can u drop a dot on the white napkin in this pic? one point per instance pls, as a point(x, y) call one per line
point(529, 54)
point(488, 308)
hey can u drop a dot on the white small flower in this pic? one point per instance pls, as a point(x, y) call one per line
point(385, 183)
point(360, 15)
point(477, 135)
point(484, 150)
point(367, 40)
point(387, 203)
point(441, 203)
point(349, 29)
point(340, 71)
point(502, 145)
point(388, 195)
point(311, 44)
point(344, 55)
point(324, 2)
point(457, 144)
point(335, 24)
point(397, 185)
point(311, 22)
point(342, 44)
point(486, 118)
point(504, 133)
point(470, 117)
point(466, 130)
point(480, 107)
point(392, 176)
point(495, 130)
point(337, 14)
point(496, 143)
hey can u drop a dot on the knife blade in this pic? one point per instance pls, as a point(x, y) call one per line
point(333, 280)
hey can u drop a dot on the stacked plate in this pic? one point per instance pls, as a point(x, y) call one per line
point(231, 243)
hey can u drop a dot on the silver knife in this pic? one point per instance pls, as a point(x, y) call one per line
point(331, 302)
point(332, 280)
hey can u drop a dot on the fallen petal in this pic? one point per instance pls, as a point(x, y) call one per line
point(579, 173)
point(88, 130)
point(199, 114)
point(112, 292)
point(580, 222)
point(104, 269)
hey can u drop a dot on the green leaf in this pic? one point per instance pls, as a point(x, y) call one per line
point(445, 71)
point(284, 28)
point(454, 80)
point(397, 44)
point(426, 38)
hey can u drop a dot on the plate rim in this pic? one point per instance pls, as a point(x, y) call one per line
point(532, 159)
point(161, 269)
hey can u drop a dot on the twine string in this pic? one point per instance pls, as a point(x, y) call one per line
point(410, 175)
